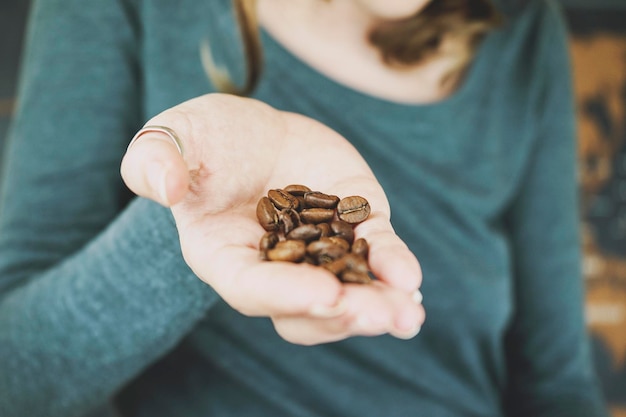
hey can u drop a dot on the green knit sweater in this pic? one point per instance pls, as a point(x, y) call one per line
point(99, 315)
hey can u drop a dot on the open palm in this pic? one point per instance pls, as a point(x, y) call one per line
point(237, 149)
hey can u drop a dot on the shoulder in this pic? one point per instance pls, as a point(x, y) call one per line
point(532, 47)
point(532, 25)
point(533, 22)
point(525, 72)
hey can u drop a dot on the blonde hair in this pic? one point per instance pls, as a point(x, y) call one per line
point(404, 42)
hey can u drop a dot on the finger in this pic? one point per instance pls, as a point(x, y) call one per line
point(275, 288)
point(154, 168)
point(389, 257)
point(370, 311)
point(250, 285)
point(222, 250)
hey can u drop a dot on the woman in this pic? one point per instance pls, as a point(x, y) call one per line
point(102, 311)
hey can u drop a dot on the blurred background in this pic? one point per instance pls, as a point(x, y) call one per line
point(598, 50)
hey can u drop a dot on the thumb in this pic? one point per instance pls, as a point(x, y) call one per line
point(153, 167)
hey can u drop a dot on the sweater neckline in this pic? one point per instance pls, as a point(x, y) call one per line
point(348, 96)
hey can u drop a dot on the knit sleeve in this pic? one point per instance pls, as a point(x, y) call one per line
point(92, 289)
point(549, 361)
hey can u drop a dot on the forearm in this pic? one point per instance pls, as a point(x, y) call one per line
point(74, 334)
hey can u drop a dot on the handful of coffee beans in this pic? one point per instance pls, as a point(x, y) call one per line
point(309, 226)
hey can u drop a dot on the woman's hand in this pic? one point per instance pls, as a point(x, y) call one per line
point(235, 150)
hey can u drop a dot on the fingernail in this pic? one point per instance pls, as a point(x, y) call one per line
point(323, 311)
point(417, 297)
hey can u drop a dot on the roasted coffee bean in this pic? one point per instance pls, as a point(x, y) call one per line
point(343, 229)
point(336, 267)
point(282, 199)
point(289, 219)
point(302, 226)
point(355, 263)
point(266, 214)
point(321, 200)
point(360, 247)
point(325, 250)
point(330, 254)
point(353, 277)
point(325, 228)
point(306, 232)
point(287, 250)
point(316, 246)
point(297, 189)
point(301, 202)
point(353, 209)
point(348, 262)
point(340, 241)
point(268, 241)
point(317, 215)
